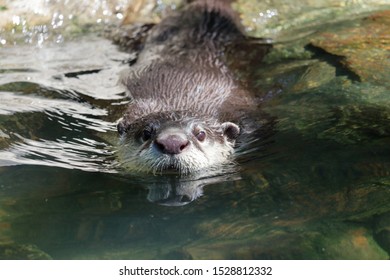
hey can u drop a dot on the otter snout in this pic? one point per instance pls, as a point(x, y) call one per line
point(172, 142)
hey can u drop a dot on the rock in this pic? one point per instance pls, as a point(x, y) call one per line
point(35, 22)
point(148, 11)
point(354, 123)
point(382, 231)
point(364, 48)
point(341, 241)
point(353, 243)
point(292, 19)
point(22, 252)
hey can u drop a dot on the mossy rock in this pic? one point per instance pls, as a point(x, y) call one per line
point(22, 252)
point(364, 48)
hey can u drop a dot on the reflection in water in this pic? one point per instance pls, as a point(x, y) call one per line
point(174, 191)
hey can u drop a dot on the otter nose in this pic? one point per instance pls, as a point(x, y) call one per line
point(172, 144)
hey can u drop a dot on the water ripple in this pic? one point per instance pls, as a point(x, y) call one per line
point(83, 154)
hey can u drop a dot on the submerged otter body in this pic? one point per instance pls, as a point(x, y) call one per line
point(185, 102)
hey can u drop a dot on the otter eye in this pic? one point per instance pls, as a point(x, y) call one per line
point(201, 135)
point(146, 134)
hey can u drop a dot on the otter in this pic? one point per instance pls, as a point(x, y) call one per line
point(186, 104)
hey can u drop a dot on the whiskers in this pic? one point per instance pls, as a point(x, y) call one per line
point(175, 164)
point(146, 159)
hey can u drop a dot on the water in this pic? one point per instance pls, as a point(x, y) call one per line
point(314, 185)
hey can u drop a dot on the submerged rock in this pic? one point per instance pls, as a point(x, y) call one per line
point(382, 231)
point(359, 123)
point(364, 48)
point(40, 21)
point(340, 241)
point(35, 22)
point(291, 19)
point(22, 252)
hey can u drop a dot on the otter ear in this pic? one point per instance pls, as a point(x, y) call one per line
point(121, 127)
point(230, 130)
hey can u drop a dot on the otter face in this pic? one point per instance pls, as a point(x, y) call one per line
point(185, 146)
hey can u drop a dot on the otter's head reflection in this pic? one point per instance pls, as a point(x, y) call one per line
point(175, 193)
point(171, 190)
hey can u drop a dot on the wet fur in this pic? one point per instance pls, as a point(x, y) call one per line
point(181, 78)
point(182, 65)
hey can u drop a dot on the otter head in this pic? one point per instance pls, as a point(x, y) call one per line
point(166, 142)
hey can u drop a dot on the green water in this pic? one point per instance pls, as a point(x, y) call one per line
point(315, 184)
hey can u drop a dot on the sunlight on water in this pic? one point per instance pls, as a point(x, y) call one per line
point(38, 22)
point(16, 103)
point(62, 67)
point(48, 90)
point(77, 153)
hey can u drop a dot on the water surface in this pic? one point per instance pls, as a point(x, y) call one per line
point(314, 185)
